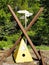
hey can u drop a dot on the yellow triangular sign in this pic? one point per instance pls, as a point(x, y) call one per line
point(22, 54)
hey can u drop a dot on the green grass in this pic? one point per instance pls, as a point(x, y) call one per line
point(41, 47)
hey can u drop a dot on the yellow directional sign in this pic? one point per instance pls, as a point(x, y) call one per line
point(22, 54)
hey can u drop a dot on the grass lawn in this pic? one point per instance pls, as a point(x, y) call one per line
point(41, 47)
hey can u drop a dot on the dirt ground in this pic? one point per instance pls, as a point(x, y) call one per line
point(9, 60)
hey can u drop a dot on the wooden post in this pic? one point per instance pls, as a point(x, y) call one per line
point(23, 30)
point(42, 60)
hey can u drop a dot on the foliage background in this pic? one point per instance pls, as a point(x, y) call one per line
point(10, 31)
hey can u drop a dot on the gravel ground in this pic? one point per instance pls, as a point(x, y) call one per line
point(9, 60)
